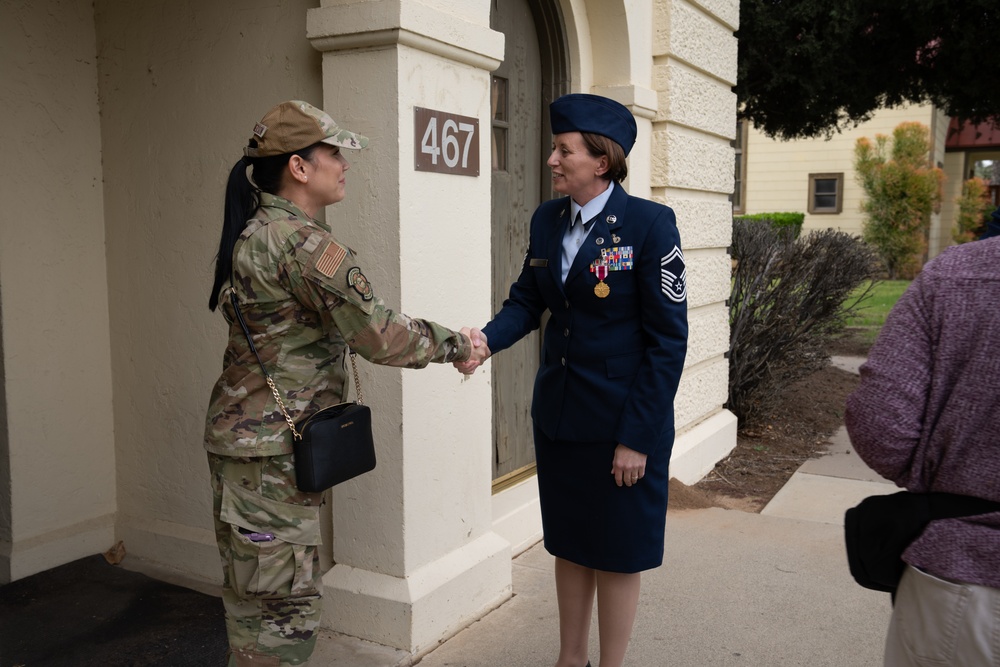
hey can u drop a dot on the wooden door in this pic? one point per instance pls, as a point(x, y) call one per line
point(517, 186)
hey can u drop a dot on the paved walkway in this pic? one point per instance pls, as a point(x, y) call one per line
point(741, 589)
point(736, 589)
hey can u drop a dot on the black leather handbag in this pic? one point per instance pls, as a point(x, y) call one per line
point(879, 529)
point(332, 445)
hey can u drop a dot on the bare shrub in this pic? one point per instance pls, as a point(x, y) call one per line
point(789, 298)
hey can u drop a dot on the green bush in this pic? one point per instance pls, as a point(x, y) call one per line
point(791, 221)
point(789, 299)
point(974, 208)
point(902, 189)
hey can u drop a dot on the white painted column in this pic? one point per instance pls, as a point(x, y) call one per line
point(415, 556)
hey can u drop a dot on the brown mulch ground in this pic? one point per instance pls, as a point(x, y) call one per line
point(799, 428)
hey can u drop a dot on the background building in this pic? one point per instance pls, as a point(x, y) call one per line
point(817, 177)
point(121, 121)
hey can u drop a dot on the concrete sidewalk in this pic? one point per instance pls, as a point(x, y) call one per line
point(741, 589)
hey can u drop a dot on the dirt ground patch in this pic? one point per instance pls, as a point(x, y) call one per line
point(799, 428)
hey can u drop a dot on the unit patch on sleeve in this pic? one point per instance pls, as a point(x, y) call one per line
point(331, 259)
point(673, 276)
point(357, 280)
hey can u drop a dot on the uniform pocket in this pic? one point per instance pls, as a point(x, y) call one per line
point(272, 545)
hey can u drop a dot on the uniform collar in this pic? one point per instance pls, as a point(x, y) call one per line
point(589, 210)
point(267, 200)
point(614, 208)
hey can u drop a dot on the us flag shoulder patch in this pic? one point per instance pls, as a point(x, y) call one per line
point(673, 276)
point(330, 261)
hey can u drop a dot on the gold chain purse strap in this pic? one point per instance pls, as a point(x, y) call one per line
point(267, 376)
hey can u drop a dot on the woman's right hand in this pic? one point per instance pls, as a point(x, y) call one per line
point(629, 466)
point(480, 351)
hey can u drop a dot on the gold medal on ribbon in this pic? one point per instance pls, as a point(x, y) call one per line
point(601, 289)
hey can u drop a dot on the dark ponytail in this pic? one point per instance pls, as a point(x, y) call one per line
point(242, 200)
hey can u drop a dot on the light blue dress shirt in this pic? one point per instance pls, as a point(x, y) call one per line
point(578, 230)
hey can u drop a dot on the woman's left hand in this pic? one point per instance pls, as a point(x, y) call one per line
point(629, 466)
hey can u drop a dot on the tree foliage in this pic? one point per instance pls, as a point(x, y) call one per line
point(901, 190)
point(974, 208)
point(812, 67)
point(790, 296)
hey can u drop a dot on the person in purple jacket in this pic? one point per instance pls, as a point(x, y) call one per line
point(927, 416)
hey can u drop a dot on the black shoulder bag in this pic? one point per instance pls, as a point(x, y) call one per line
point(879, 529)
point(332, 445)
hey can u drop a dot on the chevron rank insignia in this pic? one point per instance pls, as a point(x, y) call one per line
point(673, 276)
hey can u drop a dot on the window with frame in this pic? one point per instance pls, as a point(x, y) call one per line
point(826, 193)
point(500, 122)
point(740, 148)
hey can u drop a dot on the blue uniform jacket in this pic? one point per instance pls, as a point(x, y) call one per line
point(610, 366)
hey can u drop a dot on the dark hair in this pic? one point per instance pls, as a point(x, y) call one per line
point(242, 199)
point(598, 145)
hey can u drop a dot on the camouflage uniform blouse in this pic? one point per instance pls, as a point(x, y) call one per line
point(303, 295)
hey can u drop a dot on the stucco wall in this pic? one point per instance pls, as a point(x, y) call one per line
point(58, 478)
point(694, 69)
point(181, 84)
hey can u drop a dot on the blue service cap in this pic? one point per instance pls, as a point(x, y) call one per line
point(579, 112)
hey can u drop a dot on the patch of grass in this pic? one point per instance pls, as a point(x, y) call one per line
point(873, 310)
point(867, 320)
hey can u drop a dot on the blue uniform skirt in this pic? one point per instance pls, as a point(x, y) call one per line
point(589, 520)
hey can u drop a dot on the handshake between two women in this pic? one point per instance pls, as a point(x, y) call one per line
point(480, 352)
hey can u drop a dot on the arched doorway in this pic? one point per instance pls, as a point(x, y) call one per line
point(533, 73)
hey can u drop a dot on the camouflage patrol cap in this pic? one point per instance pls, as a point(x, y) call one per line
point(295, 125)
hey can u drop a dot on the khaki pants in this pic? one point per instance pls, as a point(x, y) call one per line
point(940, 623)
point(268, 533)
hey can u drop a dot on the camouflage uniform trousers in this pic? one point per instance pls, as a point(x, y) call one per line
point(272, 588)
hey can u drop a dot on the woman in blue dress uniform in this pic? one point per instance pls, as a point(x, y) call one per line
point(609, 269)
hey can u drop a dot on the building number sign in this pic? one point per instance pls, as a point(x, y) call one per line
point(445, 142)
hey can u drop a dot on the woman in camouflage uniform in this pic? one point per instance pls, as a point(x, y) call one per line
point(305, 298)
